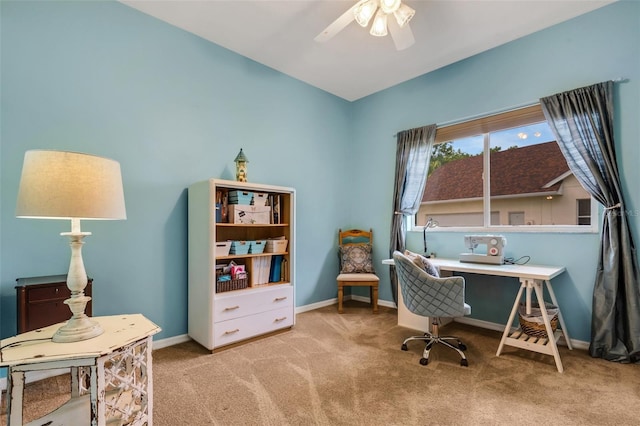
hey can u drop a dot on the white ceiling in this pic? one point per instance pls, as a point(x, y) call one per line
point(354, 64)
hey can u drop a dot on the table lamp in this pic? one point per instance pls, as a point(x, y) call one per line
point(72, 186)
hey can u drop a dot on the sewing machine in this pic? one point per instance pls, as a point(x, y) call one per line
point(494, 253)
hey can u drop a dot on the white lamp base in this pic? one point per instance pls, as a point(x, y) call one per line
point(79, 327)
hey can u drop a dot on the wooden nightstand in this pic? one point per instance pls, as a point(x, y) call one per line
point(40, 301)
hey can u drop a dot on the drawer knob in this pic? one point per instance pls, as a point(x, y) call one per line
point(231, 308)
point(281, 319)
point(280, 299)
point(232, 331)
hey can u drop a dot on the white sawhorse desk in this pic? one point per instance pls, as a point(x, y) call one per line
point(111, 374)
point(532, 278)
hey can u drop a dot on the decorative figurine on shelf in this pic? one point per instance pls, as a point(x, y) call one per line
point(241, 167)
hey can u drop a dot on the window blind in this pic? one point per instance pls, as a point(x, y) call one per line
point(492, 123)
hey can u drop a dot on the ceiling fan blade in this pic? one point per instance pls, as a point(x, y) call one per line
point(338, 25)
point(402, 37)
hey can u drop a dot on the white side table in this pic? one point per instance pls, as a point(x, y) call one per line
point(111, 374)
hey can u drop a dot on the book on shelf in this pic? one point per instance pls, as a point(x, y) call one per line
point(275, 274)
point(284, 270)
point(260, 270)
point(275, 203)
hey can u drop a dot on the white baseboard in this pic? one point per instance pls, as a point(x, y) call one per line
point(368, 300)
point(318, 305)
point(334, 301)
point(170, 341)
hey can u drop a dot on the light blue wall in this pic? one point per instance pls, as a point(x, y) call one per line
point(599, 46)
point(173, 109)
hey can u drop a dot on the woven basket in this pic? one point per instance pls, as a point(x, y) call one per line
point(239, 284)
point(533, 324)
point(229, 285)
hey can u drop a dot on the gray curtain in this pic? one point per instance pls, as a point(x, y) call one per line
point(582, 121)
point(412, 163)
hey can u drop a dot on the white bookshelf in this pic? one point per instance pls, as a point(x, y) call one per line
point(218, 319)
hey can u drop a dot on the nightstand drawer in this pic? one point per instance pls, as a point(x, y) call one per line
point(43, 314)
point(40, 301)
point(49, 292)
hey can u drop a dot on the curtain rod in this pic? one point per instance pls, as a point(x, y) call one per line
point(484, 114)
point(524, 105)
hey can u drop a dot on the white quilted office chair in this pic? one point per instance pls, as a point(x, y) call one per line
point(432, 297)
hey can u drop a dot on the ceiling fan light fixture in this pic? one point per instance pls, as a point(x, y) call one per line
point(404, 14)
point(389, 6)
point(376, 13)
point(379, 26)
point(364, 11)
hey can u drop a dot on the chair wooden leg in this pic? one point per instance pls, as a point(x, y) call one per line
point(340, 295)
point(374, 298)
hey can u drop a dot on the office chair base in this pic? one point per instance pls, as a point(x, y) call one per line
point(431, 340)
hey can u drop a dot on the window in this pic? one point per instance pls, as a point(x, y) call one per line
point(516, 218)
point(529, 183)
point(584, 211)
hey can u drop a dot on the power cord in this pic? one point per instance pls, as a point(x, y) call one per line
point(518, 261)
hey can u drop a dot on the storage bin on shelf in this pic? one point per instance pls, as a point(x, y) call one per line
point(240, 197)
point(533, 324)
point(239, 247)
point(257, 247)
point(276, 246)
point(249, 215)
point(260, 199)
point(223, 248)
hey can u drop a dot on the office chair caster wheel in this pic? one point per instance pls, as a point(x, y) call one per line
point(462, 346)
point(464, 363)
point(404, 347)
point(424, 361)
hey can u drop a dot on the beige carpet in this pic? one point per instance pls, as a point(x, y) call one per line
point(348, 369)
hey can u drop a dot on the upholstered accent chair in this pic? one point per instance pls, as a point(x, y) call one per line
point(355, 249)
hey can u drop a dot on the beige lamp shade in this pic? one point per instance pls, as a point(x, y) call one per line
point(70, 185)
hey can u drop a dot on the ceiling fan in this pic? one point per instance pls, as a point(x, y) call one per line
point(388, 15)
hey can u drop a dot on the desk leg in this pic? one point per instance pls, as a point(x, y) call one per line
point(565, 333)
point(519, 339)
point(547, 324)
point(15, 395)
point(507, 328)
